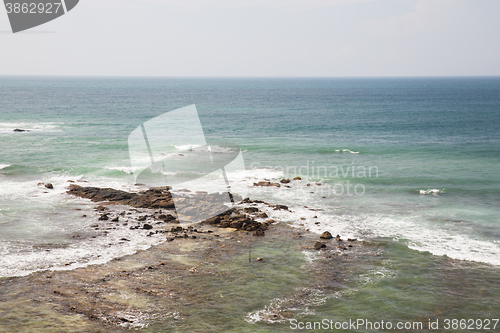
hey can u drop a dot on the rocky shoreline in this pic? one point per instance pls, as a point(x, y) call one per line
point(162, 283)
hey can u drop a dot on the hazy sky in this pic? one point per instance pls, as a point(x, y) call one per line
point(260, 38)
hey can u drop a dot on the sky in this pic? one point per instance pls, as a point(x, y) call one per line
point(260, 38)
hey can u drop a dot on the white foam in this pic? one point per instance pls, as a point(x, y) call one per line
point(375, 275)
point(426, 237)
point(346, 150)
point(431, 191)
point(138, 320)
point(3, 166)
point(31, 127)
point(126, 169)
point(81, 252)
point(256, 174)
point(276, 311)
point(186, 147)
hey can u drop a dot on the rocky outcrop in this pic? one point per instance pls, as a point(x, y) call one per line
point(190, 205)
point(231, 219)
point(152, 198)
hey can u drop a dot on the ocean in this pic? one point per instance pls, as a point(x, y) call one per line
point(410, 162)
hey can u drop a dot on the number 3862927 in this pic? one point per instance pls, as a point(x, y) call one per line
point(33, 8)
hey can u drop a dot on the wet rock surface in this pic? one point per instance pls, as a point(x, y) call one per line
point(152, 198)
point(191, 206)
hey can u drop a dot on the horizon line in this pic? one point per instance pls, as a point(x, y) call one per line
point(248, 77)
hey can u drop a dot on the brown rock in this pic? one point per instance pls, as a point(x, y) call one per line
point(213, 220)
point(326, 235)
point(262, 183)
point(236, 224)
point(319, 245)
point(166, 218)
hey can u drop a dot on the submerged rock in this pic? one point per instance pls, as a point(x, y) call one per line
point(47, 185)
point(319, 245)
point(266, 184)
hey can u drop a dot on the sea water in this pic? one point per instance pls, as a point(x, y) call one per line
point(410, 161)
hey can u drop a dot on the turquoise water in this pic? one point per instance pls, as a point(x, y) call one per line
point(424, 152)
